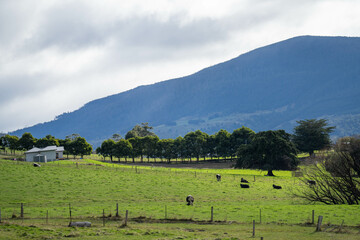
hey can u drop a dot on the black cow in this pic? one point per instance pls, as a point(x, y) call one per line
point(36, 165)
point(276, 187)
point(244, 186)
point(190, 200)
point(218, 177)
point(244, 180)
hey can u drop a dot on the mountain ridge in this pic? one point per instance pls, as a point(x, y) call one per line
point(267, 88)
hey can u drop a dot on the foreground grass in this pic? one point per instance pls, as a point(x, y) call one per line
point(114, 230)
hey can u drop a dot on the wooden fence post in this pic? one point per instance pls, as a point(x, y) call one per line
point(126, 217)
point(254, 178)
point(22, 210)
point(260, 215)
point(253, 228)
point(212, 214)
point(313, 217)
point(117, 210)
point(70, 212)
point(103, 217)
point(0, 215)
point(318, 227)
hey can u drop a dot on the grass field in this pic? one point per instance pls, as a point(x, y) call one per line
point(150, 193)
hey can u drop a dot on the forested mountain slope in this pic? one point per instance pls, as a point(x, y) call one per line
point(268, 88)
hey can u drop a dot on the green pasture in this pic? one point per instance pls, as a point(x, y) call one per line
point(90, 187)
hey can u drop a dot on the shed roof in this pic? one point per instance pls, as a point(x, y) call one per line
point(46, 149)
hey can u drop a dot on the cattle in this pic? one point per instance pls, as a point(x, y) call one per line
point(218, 177)
point(244, 186)
point(36, 165)
point(311, 182)
point(244, 180)
point(276, 187)
point(190, 200)
point(80, 224)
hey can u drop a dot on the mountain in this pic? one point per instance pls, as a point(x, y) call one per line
point(268, 88)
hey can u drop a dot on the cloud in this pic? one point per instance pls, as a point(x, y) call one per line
point(58, 54)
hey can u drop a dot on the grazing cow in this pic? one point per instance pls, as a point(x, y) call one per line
point(244, 186)
point(190, 200)
point(312, 182)
point(276, 187)
point(80, 224)
point(244, 180)
point(218, 177)
point(36, 165)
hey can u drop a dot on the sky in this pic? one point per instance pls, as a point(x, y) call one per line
point(57, 55)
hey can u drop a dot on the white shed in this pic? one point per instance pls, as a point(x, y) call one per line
point(50, 153)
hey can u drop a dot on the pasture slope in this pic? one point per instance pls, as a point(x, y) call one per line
point(155, 199)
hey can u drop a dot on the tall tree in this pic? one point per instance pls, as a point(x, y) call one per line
point(238, 137)
point(142, 130)
point(123, 149)
point(47, 141)
point(269, 150)
point(312, 134)
point(12, 142)
point(79, 146)
point(27, 141)
point(195, 142)
point(222, 139)
point(107, 149)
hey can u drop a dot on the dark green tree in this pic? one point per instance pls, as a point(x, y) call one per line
point(107, 149)
point(268, 150)
point(166, 149)
point(142, 130)
point(222, 141)
point(27, 141)
point(79, 146)
point(47, 141)
point(312, 134)
point(66, 144)
point(150, 146)
point(12, 142)
point(123, 149)
point(195, 143)
point(238, 137)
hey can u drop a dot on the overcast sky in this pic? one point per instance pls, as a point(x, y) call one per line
point(57, 55)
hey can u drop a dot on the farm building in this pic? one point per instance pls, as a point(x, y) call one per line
point(48, 154)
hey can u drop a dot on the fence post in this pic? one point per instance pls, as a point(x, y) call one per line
point(126, 217)
point(165, 212)
point(313, 217)
point(254, 178)
point(22, 210)
point(70, 212)
point(117, 210)
point(318, 227)
point(0, 215)
point(260, 215)
point(103, 217)
point(253, 228)
point(212, 214)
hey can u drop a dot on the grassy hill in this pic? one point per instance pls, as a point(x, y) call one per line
point(153, 194)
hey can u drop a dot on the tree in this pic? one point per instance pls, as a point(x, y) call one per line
point(312, 134)
point(12, 142)
point(116, 137)
point(66, 144)
point(238, 137)
point(268, 150)
point(150, 146)
point(27, 141)
point(195, 143)
point(107, 149)
point(336, 176)
point(222, 141)
point(79, 146)
point(122, 148)
point(166, 149)
point(47, 141)
point(140, 131)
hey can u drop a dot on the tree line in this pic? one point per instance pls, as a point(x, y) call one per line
point(73, 144)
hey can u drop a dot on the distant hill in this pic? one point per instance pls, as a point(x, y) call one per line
point(268, 88)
